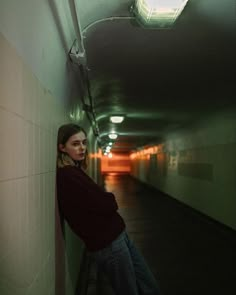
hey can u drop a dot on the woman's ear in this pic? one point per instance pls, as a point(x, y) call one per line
point(62, 148)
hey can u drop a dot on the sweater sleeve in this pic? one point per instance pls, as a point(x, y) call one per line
point(78, 190)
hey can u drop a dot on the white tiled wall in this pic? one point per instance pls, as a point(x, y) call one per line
point(29, 117)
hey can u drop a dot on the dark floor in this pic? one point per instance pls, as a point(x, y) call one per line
point(189, 253)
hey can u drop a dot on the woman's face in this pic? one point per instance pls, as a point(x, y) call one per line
point(75, 146)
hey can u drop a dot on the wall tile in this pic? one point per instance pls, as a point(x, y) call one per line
point(10, 79)
point(29, 118)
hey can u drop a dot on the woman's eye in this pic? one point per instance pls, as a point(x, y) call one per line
point(84, 142)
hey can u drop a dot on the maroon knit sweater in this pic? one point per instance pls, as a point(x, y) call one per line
point(89, 210)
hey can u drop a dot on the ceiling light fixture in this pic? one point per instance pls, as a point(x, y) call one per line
point(158, 13)
point(117, 119)
point(112, 135)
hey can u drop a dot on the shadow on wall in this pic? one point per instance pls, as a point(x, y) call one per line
point(59, 252)
point(71, 261)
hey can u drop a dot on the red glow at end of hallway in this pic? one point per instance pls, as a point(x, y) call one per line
point(119, 163)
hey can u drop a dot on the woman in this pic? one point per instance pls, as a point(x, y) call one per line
point(92, 215)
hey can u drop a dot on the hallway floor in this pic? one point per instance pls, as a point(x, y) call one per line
point(189, 253)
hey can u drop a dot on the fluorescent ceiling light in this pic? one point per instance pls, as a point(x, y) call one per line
point(158, 13)
point(117, 119)
point(112, 135)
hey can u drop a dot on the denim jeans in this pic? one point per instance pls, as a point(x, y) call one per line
point(126, 268)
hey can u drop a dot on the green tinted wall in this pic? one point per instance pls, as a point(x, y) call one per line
point(199, 168)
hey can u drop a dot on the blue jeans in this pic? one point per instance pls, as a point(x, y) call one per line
point(126, 268)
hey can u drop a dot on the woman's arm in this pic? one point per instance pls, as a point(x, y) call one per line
point(77, 189)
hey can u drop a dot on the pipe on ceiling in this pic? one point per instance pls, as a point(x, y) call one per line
point(81, 53)
point(77, 27)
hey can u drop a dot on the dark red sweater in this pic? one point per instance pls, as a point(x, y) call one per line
point(89, 210)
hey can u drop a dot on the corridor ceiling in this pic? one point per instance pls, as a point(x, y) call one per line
point(160, 79)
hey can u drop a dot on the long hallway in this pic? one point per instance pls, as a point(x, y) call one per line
point(188, 253)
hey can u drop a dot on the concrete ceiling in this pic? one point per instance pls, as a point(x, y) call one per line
point(161, 79)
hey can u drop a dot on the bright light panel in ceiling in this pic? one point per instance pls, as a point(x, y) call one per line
point(117, 119)
point(159, 13)
point(112, 135)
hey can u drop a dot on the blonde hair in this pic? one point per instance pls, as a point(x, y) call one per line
point(64, 133)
